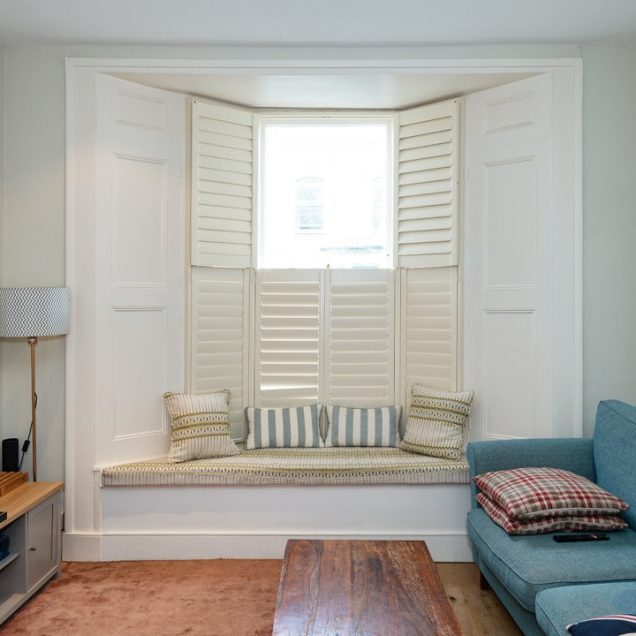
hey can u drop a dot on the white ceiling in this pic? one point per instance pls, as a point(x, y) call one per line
point(317, 22)
point(381, 91)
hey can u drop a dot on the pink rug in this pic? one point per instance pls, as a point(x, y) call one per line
point(153, 598)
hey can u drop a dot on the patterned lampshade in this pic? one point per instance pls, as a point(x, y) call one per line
point(27, 312)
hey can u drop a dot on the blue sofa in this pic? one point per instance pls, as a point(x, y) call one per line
point(543, 584)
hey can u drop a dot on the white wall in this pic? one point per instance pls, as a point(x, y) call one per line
point(609, 227)
point(33, 239)
point(33, 216)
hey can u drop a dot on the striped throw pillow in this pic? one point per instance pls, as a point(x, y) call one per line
point(295, 427)
point(613, 625)
point(200, 426)
point(363, 427)
point(436, 422)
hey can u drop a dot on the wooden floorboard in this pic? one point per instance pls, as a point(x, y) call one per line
point(479, 612)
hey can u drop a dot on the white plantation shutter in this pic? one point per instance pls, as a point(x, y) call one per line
point(222, 154)
point(359, 337)
point(429, 328)
point(220, 336)
point(427, 182)
point(287, 337)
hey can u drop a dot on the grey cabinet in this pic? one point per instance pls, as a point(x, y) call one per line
point(42, 544)
point(34, 528)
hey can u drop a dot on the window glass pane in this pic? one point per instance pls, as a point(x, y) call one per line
point(324, 194)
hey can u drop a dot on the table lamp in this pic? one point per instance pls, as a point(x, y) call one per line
point(32, 313)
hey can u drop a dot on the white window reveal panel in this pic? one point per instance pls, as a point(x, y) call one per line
point(287, 337)
point(512, 318)
point(220, 336)
point(359, 342)
point(429, 328)
point(427, 197)
point(139, 266)
point(221, 185)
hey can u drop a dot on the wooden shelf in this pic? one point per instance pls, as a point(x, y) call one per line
point(25, 497)
point(8, 559)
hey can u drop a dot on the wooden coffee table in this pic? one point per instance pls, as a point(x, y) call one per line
point(388, 588)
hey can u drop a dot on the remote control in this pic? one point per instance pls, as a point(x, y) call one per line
point(571, 538)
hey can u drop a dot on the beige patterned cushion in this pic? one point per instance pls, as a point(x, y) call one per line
point(200, 426)
point(436, 422)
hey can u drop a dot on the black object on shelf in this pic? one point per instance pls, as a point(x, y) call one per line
point(10, 454)
point(4, 541)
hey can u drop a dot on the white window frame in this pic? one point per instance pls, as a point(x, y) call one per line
point(317, 118)
point(86, 536)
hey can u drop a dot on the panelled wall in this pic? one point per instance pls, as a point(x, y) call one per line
point(356, 337)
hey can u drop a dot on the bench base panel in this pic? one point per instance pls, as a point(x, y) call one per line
point(256, 522)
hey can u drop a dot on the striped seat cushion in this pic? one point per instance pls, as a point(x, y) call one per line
point(294, 467)
point(436, 422)
point(363, 427)
point(200, 426)
point(295, 427)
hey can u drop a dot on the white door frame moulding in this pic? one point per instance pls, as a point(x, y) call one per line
point(83, 497)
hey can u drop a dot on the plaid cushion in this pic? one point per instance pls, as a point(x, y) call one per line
point(586, 522)
point(527, 493)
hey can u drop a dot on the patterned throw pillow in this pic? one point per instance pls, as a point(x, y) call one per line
point(200, 426)
point(296, 427)
point(363, 427)
point(436, 422)
point(614, 625)
point(527, 493)
point(540, 525)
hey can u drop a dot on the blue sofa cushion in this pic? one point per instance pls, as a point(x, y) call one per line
point(561, 606)
point(529, 564)
point(615, 452)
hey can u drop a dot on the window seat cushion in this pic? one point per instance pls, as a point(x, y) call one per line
point(294, 466)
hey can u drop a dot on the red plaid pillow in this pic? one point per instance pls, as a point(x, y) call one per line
point(585, 522)
point(528, 493)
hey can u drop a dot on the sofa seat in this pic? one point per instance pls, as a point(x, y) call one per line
point(561, 606)
point(294, 466)
point(526, 565)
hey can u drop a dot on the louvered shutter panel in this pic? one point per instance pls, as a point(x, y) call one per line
point(287, 342)
point(427, 232)
point(429, 328)
point(220, 336)
point(359, 344)
point(222, 138)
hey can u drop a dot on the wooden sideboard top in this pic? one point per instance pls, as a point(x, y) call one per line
point(25, 497)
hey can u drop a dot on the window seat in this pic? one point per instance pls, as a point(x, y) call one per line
point(293, 466)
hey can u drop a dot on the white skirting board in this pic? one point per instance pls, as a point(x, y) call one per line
point(154, 547)
point(256, 522)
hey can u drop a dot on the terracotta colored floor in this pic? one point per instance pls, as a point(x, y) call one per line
point(203, 598)
point(153, 598)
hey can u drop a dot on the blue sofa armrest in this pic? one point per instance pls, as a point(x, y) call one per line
point(575, 455)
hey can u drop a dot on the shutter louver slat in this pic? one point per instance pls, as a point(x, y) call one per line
point(427, 185)
point(222, 146)
point(219, 346)
point(429, 328)
point(287, 337)
point(360, 337)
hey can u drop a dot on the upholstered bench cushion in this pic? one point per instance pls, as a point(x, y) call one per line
point(561, 606)
point(528, 564)
point(294, 466)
